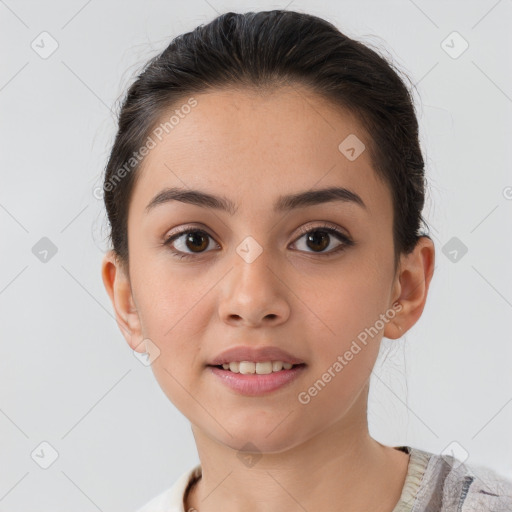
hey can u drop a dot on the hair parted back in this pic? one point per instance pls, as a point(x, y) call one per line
point(263, 50)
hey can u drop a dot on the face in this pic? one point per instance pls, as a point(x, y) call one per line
point(259, 275)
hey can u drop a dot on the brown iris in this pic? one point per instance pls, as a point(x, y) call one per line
point(195, 239)
point(318, 238)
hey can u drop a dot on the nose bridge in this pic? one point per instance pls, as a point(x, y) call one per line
point(252, 266)
point(253, 290)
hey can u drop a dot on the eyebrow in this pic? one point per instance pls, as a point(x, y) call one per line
point(283, 203)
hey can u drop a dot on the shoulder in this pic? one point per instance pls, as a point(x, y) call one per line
point(448, 484)
point(171, 500)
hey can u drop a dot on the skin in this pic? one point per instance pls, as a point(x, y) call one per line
point(251, 148)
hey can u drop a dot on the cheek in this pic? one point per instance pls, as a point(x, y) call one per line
point(348, 302)
point(349, 335)
point(171, 307)
point(164, 293)
point(344, 353)
point(175, 317)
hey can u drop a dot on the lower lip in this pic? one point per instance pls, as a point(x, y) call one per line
point(254, 384)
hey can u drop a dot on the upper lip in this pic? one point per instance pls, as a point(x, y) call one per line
point(254, 354)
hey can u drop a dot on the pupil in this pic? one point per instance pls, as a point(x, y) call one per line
point(324, 237)
point(318, 239)
point(194, 236)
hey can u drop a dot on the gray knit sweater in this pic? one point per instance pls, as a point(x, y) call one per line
point(436, 483)
point(433, 483)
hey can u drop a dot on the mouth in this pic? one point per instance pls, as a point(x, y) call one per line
point(256, 368)
point(256, 379)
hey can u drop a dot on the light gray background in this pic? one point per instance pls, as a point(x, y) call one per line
point(67, 375)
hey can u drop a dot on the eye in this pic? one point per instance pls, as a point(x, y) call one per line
point(197, 240)
point(190, 241)
point(320, 237)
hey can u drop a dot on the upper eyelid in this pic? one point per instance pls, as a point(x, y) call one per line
point(303, 230)
point(325, 225)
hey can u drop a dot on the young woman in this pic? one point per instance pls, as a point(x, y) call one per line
point(265, 194)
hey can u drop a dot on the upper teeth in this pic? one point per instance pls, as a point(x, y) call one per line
point(263, 368)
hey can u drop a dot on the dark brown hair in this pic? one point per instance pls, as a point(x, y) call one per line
point(263, 50)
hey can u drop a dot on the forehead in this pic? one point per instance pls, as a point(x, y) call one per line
point(253, 147)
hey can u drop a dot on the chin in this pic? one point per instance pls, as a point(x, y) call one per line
point(260, 437)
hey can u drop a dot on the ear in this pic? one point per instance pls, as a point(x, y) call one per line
point(411, 287)
point(117, 283)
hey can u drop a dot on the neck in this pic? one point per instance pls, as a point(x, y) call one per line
point(340, 468)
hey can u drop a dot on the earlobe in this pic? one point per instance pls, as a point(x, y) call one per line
point(416, 273)
point(118, 287)
point(394, 328)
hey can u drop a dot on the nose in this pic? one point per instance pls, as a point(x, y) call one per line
point(254, 294)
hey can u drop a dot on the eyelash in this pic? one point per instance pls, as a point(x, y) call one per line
point(346, 242)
